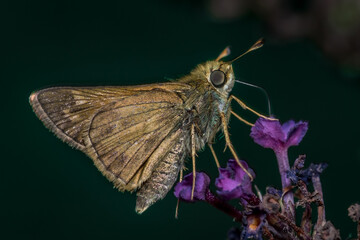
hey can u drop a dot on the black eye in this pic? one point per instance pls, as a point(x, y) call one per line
point(218, 78)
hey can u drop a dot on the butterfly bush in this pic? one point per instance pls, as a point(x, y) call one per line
point(271, 216)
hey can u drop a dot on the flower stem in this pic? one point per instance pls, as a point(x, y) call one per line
point(284, 167)
point(321, 206)
point(223, 206)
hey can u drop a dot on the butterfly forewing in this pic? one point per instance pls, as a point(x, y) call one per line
point(125, 130)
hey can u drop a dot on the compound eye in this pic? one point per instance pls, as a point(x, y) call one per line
point(218, 78)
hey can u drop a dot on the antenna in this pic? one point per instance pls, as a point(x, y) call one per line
point(226, 52)
point(258, 44)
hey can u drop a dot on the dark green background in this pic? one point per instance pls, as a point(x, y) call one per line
point(50, 191)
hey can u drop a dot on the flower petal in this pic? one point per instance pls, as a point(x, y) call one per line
point(183, 189)
point(296, 133)
point(267, 133)
point(287, 127)
point(233, 181)
point(271, 134)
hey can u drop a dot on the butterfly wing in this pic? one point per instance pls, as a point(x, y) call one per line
point(125, 130)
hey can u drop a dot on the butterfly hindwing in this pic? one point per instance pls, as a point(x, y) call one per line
point(125, 142)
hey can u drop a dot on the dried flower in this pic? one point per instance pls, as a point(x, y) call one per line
point(306, 175)
point(326, 231)
point(253, 226)
point(354, 212)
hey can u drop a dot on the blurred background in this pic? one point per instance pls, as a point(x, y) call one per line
point(309, 66)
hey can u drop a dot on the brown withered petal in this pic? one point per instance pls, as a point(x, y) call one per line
point(354, 212)
point(326, 232)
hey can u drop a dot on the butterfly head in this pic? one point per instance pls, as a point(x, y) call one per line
point(221, 74)
point(217, 75)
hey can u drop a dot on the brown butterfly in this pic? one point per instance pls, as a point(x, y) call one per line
point(139, 136)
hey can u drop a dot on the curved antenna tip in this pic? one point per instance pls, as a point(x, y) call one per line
point(258, 44)
point(226, 52)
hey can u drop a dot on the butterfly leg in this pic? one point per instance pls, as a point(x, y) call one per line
point(229, 144)
point(214, 155)
point(181, 175)
point(244, 106)
point(178, 200)
point(241, 119)
point(193, 155)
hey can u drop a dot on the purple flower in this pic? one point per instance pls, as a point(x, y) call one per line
point(183, 189)
point(233, 181)
point(271, 134)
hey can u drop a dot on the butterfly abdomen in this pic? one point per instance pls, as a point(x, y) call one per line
point(162, 178)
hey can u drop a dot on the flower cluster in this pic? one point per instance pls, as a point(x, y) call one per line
point(232, 183)
point(273, 215)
